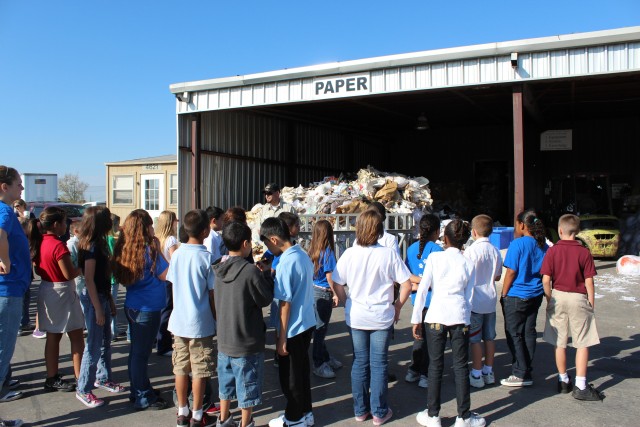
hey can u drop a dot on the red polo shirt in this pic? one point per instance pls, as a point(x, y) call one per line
point(51, 251)
point(568, 264)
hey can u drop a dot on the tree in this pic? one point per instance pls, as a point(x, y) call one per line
point(72, 189)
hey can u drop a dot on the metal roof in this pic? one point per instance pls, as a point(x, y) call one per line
point(551, 43)
point(169, 158)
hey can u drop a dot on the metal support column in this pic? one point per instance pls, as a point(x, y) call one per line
point(195, 161)
point(518, 150)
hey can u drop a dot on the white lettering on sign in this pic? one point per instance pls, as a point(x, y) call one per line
point(556, 140)
point(151, 167)
point(341, 86)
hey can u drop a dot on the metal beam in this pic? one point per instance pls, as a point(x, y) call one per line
point(195, 161)
point(518, 151)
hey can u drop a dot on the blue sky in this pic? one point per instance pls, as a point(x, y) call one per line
point(87, 82)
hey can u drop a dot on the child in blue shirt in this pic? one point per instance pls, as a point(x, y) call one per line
point(522, 295)
point(417, 254)
point(294, 290)
point(192, 321)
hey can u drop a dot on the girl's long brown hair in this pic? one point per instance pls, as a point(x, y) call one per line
point(96, 224)
point(164, 227)
point(321, 239)
point(129, 254)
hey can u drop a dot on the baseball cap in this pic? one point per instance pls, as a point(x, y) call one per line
point(271, 188)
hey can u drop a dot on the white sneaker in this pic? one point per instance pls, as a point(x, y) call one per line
point(306, 421)
point(309, 421)
point(412, 376)
point(489, 378)
point(424, 381)
point(474, 420)
point(324, 371)
point(476, 382)
point(424, 419)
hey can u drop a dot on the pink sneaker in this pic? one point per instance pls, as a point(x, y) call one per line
point(89, 399)
point(379, 421)
point(39, 334)
point(363, 417)
point(110, 386)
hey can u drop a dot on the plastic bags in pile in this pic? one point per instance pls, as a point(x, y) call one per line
point(628, 265)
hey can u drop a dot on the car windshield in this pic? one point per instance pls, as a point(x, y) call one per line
point(599, 224)
point(73, 211)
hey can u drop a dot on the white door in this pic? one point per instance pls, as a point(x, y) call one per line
point(152, 194)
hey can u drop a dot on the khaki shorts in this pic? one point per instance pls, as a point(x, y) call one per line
point(195, 356)
point(570, 313)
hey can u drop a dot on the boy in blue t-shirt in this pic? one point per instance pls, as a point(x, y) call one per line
point(417, 255)
point(192, 321)
point(294, 290)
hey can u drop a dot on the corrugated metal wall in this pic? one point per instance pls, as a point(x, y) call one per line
point(241, 151)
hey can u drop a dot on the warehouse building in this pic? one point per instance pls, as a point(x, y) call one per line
point(495, 127)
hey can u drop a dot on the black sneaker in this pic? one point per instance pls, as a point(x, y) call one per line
point(589, 394)
point(56, 383)
point(563, 387)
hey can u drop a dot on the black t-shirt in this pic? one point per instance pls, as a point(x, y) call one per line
point(102, 277)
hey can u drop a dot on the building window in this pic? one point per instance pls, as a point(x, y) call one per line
point(173, 189)
point(122, 190)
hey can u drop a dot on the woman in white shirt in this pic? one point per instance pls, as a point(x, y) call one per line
point(451, 277)
point(166, 230)
point(370, 270)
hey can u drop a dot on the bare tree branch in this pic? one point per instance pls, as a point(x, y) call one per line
point(72, 189)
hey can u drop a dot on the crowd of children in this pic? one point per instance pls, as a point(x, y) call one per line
point(217, 295)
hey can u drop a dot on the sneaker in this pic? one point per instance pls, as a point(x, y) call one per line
point(37, 333)
point(309, 420)
point(334, 363)
point(514, 381)
point(363, 417)
point(424, 381)
point(155, 406)
point(281, 421)
point(11, 423)
point(474, 420)
point(412, 376)
point(424, 419)
point(489, 378)
point(564, 387)
point(213, 409)
point(589, 393)
point(379, 421)
point(110, 386)
point(89, 399)
point(11, 395)
point(183, 420)
point(476, 382)
point(56, 383)
point(324, 371)
point(206, 421)
point(12, 384)
point(229, 422)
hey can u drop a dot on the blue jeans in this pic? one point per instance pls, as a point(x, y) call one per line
point(26, 301)
point(369, 371)
point(164, 340)
point(436, 337)
point(10, 315)
point(520, 328)
point(241, 378)
point(96, 359)
point(324, 306)
point(144, 327)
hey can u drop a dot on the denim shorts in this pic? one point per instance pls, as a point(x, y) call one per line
point(483, 327)
point(241, 378)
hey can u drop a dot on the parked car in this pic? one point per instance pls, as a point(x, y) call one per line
point(86, 205)
point(600, 234)
point(74, 212)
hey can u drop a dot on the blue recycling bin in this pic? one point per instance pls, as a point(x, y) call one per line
point(501, 237)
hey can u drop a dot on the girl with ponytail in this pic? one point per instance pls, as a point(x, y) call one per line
point(417, 255)
point(522, 295)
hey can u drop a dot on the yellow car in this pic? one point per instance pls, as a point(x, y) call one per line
point(600, 234)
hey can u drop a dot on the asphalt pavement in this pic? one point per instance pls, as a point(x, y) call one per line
point(614, 368)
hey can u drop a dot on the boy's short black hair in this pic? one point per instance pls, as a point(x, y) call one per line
point(289, 218)
point(183, 237)
point(274, 227)
point(214, 212)
point(195, 222)
point(234, 233)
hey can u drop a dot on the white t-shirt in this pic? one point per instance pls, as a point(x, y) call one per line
point(488, 264)
point(369, 272)
point(169, 242)
point(451, 277)
point(387, 240)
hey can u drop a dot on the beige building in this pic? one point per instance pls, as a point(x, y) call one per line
point(150, 183)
